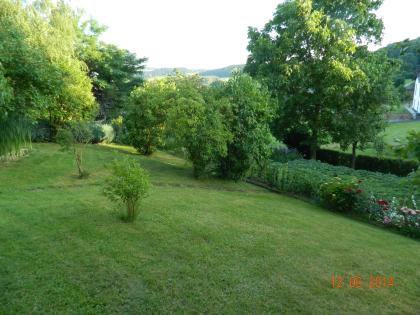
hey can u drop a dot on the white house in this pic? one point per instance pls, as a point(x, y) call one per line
point(416, 100)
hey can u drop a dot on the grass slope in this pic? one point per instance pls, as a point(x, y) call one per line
point(198, 246)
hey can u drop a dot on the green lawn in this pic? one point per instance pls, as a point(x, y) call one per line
point(197, 247)
point(400, 131)
point(393, 132)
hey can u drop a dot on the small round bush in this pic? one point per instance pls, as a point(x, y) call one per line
point(341, 195)
point(128, 184)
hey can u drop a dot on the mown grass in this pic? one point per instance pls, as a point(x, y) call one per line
point(198, 246)
point(394, 134)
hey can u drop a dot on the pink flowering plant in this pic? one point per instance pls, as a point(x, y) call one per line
point(391, 213)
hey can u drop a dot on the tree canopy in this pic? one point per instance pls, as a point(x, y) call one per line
point(307, 56)
point(114, 72)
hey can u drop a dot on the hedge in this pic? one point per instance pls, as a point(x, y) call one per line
point(370, 163)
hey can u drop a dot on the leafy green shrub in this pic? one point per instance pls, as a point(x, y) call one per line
point(375, 164)
point(340, 195)
point(248, 113)
point(74, 137)
point(129, 184)
point(196, 125)
point(146, 115)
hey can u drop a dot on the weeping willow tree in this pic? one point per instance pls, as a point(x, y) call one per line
point(15, 136)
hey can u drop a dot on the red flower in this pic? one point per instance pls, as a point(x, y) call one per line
point(382, 202)
point(359, 191)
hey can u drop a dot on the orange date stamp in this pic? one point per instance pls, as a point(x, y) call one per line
point(357, 282)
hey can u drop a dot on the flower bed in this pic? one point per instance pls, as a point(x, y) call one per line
point(381, 198)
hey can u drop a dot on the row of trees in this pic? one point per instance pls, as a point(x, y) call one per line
point(224, 128)
point(311, 80)
point(313, 57)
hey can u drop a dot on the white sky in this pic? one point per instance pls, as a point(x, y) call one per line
point(207, 34)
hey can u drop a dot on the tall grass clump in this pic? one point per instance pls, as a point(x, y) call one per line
point(15, 135)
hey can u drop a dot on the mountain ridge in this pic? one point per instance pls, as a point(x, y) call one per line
point(221, 73)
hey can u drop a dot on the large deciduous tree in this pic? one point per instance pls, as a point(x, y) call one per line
point(363, 112)
point(305, 55)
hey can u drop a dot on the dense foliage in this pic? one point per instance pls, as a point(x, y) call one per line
point(146, 117)
point(248, 115)
point(196, 124)
point(54, 69)
point(115, 73)
point(361, 116)
point(311, 57)
point(408, 53)
point(40, 74)
point(340, 195)
point(223, 128)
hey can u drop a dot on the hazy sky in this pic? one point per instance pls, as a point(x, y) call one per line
point(208, 34)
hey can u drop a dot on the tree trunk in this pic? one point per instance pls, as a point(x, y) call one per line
point(131, 210)
point(314, 143)
point(315, 131)
point(353, 155)
point(79, 162)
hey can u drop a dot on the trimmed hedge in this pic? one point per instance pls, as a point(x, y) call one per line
point(370, 163)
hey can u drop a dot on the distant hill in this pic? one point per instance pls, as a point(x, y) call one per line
point(162, 72)
point(221, 73)
point(225, 72)
point(408, 52)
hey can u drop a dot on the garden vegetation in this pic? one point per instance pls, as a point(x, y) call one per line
point(309, 80)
